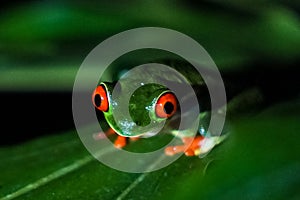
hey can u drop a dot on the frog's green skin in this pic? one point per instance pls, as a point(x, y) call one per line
point(142, 103)
point(142, 109)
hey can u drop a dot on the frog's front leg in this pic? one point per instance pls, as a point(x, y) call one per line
point(120, 142)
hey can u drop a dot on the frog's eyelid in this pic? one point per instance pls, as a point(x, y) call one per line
point(109, 88)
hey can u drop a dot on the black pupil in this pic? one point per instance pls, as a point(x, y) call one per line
point(168, 107)
point(97, 100)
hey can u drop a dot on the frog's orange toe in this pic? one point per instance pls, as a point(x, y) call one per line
point(169, 151)
point(172, 150)
point(120, 142)
point(193, 142)
point(190, 148)
point(194, 147)
point(189, 152)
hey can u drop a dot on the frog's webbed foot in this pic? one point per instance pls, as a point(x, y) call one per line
point(198, 146)
point(191, 146)
point(120, 142)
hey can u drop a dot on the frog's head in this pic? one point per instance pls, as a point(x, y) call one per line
point(149, 106)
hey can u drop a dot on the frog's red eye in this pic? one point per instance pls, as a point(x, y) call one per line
point(166, 105)
point(100, 100)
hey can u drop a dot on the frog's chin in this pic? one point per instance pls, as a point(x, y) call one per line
point(142, 135)
point(148, 134)
point(132, 130)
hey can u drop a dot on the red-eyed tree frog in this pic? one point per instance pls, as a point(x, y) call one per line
point(153, 103)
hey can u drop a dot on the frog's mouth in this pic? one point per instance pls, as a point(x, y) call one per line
point(129, 128)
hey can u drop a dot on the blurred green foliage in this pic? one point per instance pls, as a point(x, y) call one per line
point(43, 43)
point(60, 34)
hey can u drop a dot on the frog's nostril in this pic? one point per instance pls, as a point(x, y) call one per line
point(97, 100)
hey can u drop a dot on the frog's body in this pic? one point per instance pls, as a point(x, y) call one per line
point(152, 107)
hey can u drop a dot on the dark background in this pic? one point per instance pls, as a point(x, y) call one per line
point(251, 43)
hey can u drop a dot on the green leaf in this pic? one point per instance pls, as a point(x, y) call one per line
point(259, 160)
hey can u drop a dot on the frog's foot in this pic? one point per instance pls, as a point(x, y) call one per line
point(194, 145)
point(120, 142)
point(172, 150)
point(102, 135)
point(191, 147)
